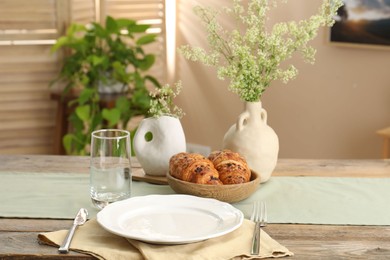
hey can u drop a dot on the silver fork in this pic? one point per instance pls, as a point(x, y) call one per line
point(259, 216)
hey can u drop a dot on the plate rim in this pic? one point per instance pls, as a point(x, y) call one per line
point(188, 239)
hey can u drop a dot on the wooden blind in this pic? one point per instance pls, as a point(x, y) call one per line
point(147, 12)
point(27, 114)
point(83, 11)
point(27, 31)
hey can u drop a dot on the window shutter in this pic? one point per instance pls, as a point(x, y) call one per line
point(146, 12)
point(27, 31)
point(26, 67)
point(83, 11)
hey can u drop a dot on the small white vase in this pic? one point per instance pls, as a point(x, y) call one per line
point(167, 140)
point(254, 140)
point(112, 87)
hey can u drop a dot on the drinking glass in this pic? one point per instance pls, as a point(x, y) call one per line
point(110, 169)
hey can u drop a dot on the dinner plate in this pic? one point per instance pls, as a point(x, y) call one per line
point(170, 219)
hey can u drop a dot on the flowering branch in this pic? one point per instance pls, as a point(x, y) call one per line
point(162, 104)
point(252, 58)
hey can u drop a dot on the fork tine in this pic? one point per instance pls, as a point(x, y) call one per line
point(265, 214)
point(258, 211)
point(253, 211)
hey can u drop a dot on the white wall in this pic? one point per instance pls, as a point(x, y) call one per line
point(331, 110)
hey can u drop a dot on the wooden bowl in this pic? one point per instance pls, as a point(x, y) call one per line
point(227, 193)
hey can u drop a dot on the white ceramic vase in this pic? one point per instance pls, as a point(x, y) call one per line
point(251, 137)
point(167, 139)
point(112, 87)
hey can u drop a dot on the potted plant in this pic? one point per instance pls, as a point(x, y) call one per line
point(160, 136)
point(109, 56)
point(252, 56)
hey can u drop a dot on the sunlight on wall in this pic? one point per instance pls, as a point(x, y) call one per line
point(331, 110)
point(170, 23)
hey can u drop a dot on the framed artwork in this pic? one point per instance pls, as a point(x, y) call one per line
point(362, 23)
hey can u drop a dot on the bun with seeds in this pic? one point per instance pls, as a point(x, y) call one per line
point(193, 167)
point(231, 166)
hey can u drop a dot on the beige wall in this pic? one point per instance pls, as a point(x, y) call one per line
point(331, 110)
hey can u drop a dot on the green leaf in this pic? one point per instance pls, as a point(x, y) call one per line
point(147, 62)
point(75, 28)
point(141, 99)
point(153, 80)
point(139, 81)
point(111, 25)
point(123, 104)
point(139, 50)
point(83, 112)
point(67, 143)
point(124, 23)
point(97, 121)
point(132, 134)
point(111, 115)
point(137, 28)
point(84, 80)
point(120, 71)
point(99, 31)
point(96, 60)
point(62, 41)
point(85, 95)
point(146, 39)
point(76, 123)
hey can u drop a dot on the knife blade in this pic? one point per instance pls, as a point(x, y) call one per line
point(79, 220)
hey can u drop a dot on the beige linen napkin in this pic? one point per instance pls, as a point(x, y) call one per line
point(92, 239)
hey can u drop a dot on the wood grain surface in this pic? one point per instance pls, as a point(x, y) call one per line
point(18, 237)
point(285, 167)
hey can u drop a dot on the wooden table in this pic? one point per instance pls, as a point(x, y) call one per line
point(18, 237)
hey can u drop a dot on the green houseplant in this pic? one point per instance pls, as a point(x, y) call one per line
point(110, 55)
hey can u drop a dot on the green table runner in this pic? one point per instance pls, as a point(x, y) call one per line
point(315, 200)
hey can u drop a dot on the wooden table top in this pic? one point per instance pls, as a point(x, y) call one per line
point(18, 236)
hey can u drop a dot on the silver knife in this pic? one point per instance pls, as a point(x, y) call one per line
point(79, 220)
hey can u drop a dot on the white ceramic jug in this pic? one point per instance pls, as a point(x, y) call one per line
point(167, 139)
point(255, 140)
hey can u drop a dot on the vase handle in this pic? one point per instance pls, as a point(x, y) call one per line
point(242, 119)
point(263, 115)
point(241, 122)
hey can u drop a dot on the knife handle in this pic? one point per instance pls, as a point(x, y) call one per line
point(64, 248)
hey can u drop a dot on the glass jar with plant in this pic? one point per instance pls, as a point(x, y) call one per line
point(108, 55)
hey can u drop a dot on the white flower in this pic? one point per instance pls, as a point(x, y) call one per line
point(161, 103)
point(251, 58)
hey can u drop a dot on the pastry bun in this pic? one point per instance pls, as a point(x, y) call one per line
point(231, 166)
point(194, 168)
point(221, 167)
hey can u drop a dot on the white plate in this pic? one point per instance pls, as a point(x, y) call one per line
point(170, 219)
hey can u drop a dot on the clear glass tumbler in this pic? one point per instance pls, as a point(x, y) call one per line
point(110, 169)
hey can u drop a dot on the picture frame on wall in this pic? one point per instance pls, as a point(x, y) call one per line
point(362, 23)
